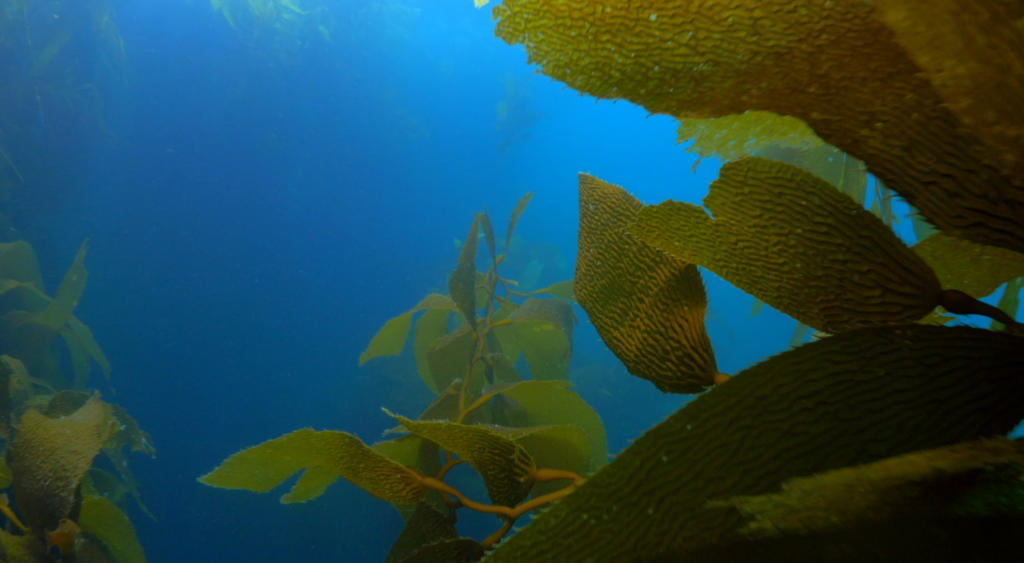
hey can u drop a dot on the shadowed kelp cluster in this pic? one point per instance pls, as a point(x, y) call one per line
point(523, 437)
point(53, 428)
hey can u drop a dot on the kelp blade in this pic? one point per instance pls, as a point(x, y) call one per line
point(833, 65)
point(975, 269)
point(647, 307)
point(263, 467)
point(796, 243)
point(849, 399)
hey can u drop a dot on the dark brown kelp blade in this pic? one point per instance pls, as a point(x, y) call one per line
point(516, 213)
point(832, 64)
point(647, 306)
point(485, 224)
point(971, 51)
point(460, 550)
point(462, 282)
point(798, 244)
point(425, 526)
point(853, 398)
point(957, 503)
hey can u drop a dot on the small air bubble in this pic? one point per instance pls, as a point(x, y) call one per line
point(654, 17)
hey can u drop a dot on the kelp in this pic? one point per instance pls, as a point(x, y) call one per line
point(323, 456)
point(857, 397)
point(782, 235)
point(838, 66)
point(524, 438)
point(647, 307)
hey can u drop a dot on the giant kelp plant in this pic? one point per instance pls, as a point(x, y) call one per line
point(881, 441)
point(53, 427)
point(521, 436)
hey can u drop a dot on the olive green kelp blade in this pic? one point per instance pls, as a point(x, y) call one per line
point(647, 307)
point(426, 525)
point(798, 244)
point(462, 281)
point(506, 467)
point(957, 503)
point(542, 330)
point(975, 269)
point(853, 398)
point(834, 65)
point(324, 455)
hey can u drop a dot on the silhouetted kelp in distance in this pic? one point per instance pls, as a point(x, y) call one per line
point(521, 436)
point(927, 96)
point(53, 428)
point(60, 62)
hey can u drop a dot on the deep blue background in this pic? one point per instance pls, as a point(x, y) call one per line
point(254, 224)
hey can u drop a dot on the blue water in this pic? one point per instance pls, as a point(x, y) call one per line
point(253, 222)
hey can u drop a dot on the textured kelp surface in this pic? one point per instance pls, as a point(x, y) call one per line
point(647, 306)
point(798, 244)
point(857, 397)
point(833, 64)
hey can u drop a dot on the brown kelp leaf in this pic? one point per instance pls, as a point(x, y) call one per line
point(462, 281)
point(50, 457)
point(732, 137)
point(79, 358)
point(460, 550)
point(834, 166)
point(563, 446)
point(517, 212)
point(430, 327)
point(542, 330)
point(831, 64)
point(448, 358)
point(789, 239)
point(104, 520)
point(18, 262)
point(446, 405)
point(100, 483)
point(972, 51)
point(426, 525)
point(503, 370)
point(853, 398)
point(974, 269)
point(84, 335)
point(562, 290)
point(117, 458)
point(58, 312)
point(918, 485)
point(263, 467)
point(21, 296)
point(505, 466)
point(422, 455)
point(485, 226)
point(390, 339)
point(27, 548)
point(647, 307)
point(553, 403)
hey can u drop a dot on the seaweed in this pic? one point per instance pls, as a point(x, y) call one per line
point(485, 414)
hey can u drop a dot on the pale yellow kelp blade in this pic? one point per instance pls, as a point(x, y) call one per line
point(507, 469)
point(972, 51)
point(390, 339)
point(974, 269)
point(647, 307)
point(849, 399)
point(104, 520)
point(793, 241)
point(553, 403)
point(733, 137)
point(833, 65)
point(263, 467)
point(51, 455)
